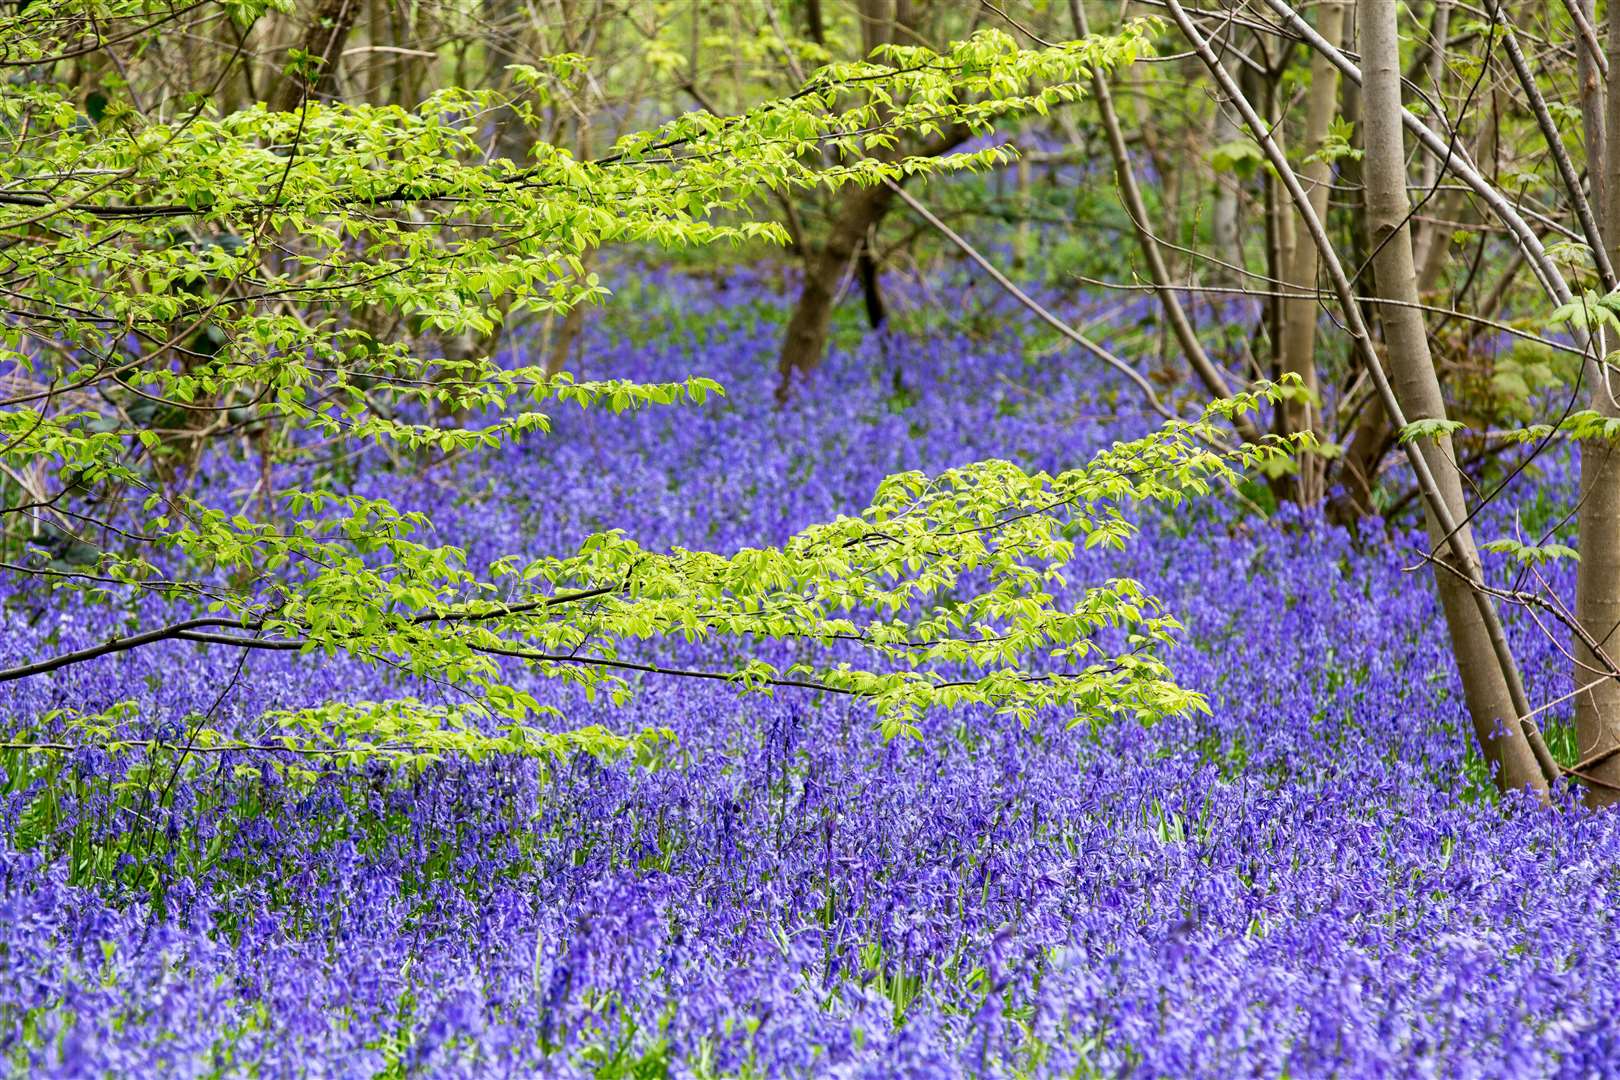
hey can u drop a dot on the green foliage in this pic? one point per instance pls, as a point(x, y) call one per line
point(1532, 554)
point(1431, 428)
point(187, 273)
point(1241, 157)
point(1528, 369)
point(1336, 144)
point(1589, 311)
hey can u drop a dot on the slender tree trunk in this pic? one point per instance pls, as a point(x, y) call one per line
point(860, 212)
point(1460, 557)
point(561, 345)
point(573, 323)
point(870, 274)
point(1431, 241)
point(1356, 471)
point(1358, 465)
point(1433, 248)
point(1226, 234)
point(1264, 92)
point(1594, 121)
point(1300, 314)
point(1417, 388)
point(1021, 231)
point(1597, 579)
point(812, 22)
point(1374, 436)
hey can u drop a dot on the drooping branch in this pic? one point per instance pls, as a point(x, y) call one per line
point(197, 630)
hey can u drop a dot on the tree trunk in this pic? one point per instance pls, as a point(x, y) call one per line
point(1263, 89)
point(1226, 235)
point(866, 267)
point(1374, 436)
point(812, 21)
point(562, 345)
point(1417, 388)
point(1432, 240)
point(1022, 234)
point(1597, 578)
point(1356, 471)
point(327, 30)
point(860, 212)
point(1300, 314)
point(1594, 121)
point(1358, 466)
point(1433, 248)
point(805, 343)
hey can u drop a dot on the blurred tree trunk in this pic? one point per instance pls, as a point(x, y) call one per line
point(1022, 235)
point(1300, 313)
point(1417, 387)
point(847, 247)
point(1373, 436)
point(866, 267)
point(1264, 87)
point(1198, 359)
point(1433, 244)
point(328, 28)
point(812, 22)
point(1594, 122)
point(1597, 581)
point(1226, 234)
point(561, 348)
point(805, 343)
point(1431, 241)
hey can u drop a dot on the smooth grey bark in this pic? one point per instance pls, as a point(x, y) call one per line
point(1299, 314)
point(1597, 577)
point(1455, 158)
point(1417, 388)
point(1225, 220)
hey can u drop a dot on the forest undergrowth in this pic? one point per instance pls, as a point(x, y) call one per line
point(1313, 878)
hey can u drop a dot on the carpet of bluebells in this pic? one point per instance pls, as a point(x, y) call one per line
point(1314, 880)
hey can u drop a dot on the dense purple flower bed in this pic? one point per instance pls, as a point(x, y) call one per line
point(1308, 882)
